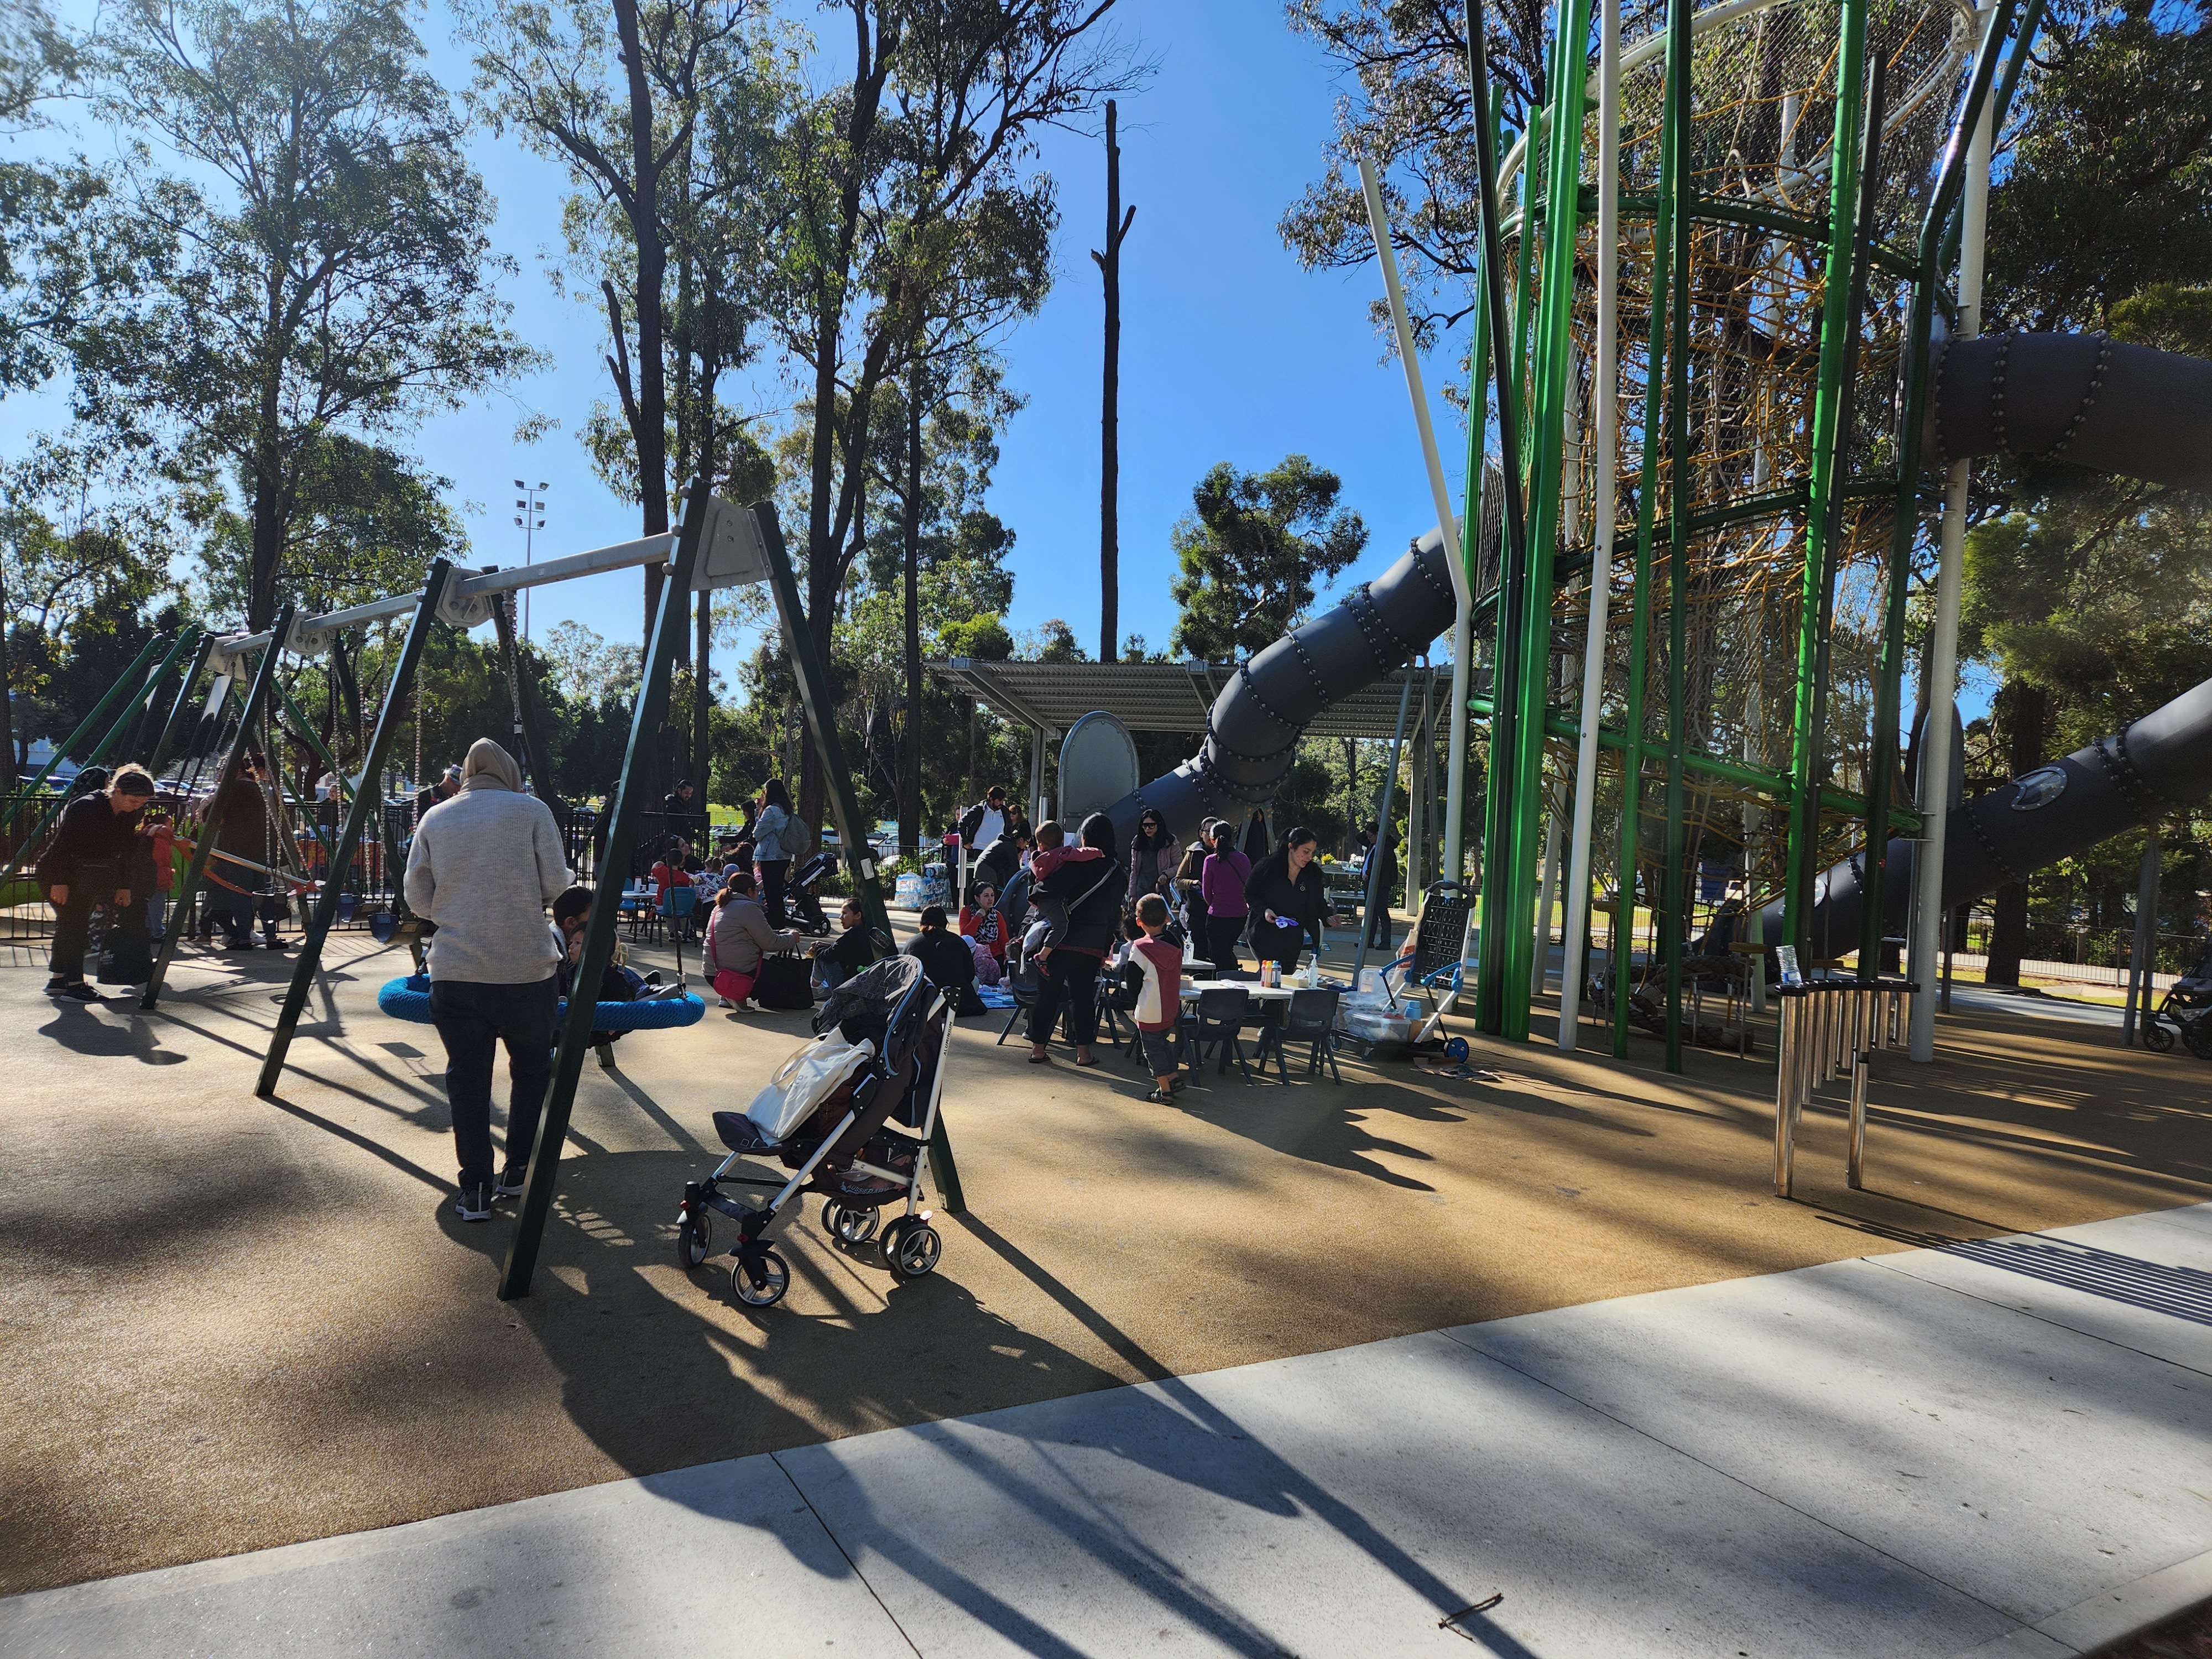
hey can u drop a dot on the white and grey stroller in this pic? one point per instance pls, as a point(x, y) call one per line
point(851, 1115)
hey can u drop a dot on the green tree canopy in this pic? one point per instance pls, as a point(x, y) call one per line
point(1251, 550)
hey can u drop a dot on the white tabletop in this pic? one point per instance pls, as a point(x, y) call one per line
point(1258, 992)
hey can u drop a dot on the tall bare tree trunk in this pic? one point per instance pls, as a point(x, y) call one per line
point(910, 750)
point(2024, 712)
point(7, 710)
point(1109, 420)
point(649, 422)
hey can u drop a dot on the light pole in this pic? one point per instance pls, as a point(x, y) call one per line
point(530, 503)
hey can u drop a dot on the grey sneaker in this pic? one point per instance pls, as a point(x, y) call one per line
point(474, 1203)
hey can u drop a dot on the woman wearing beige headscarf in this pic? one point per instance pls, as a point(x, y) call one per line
point(484, 865)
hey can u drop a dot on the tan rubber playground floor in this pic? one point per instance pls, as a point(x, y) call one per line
point(232, 1323)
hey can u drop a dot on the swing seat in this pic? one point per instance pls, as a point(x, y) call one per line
point(408, 998)
point(382, 925)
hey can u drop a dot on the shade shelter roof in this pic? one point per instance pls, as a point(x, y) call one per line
point(1160, 696)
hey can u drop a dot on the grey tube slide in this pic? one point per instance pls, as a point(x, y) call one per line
point(1254, 725)
point(2083, 399)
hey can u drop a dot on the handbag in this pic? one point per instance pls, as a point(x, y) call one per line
point(785, 982)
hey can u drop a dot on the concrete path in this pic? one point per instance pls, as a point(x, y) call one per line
point(2000, 1448)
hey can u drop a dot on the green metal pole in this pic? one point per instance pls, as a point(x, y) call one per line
point(1673, 919)
point(645, 721)
point(1941, 202)
point(257, 699)
point(149, 702)
point(1490, 984)
point(131, 714)
point(132, 675)
point(844, 806)
point(1639, 632)
point(1554, 362)
point(158, 756)
point(324, 915)
point(1822, 521)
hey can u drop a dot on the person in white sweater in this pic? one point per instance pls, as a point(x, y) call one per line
point(484, 865)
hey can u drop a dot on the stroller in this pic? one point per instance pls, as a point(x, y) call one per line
point(2189, 1006)
point(851, 1114)
point(802, 895)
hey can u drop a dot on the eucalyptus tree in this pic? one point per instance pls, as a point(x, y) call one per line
point(331, 268)
point(913, 195)
point(617, 94)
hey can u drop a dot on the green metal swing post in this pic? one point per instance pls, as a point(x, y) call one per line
point(628, 806)
point(132, 712)
point(821, 710)
point(1950, 182)
point(158, 755)
point(147, 703)
point(257, 699)
point(133, 675)
point(324, 915)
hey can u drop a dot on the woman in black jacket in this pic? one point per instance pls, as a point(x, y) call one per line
point(84, 865)
point(1070, 980)
point(1287, 897)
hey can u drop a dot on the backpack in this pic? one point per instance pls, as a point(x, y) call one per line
point(783, 982)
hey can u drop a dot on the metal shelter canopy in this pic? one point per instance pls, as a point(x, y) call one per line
point(1155, 696)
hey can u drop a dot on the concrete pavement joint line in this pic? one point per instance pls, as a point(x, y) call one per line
point(2128, 1610)
point(829, 1532)
point(2030, 1313)
point(1690, 1456)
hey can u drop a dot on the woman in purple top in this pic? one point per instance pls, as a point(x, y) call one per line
point(1221, 881)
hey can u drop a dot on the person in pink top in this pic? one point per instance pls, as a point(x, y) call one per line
point(1159, 1001)
point(1221, 881)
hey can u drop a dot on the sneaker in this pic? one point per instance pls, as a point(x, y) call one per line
point(510, 1183)
point(474, 1203)
point(79, 992)
point(1159, 1098)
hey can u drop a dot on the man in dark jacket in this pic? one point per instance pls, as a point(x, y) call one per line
point(945, 959)
point(236, 890)
point(1001, 858)
point(84, 865)
point(1380, 878)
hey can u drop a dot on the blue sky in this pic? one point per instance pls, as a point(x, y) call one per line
point(1230, 351)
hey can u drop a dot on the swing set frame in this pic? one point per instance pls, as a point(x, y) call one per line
point(716, 544)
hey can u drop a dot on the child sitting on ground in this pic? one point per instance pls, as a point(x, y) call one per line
point(1056, 876)
point(1159, 1003)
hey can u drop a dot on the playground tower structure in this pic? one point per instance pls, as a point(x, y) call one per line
point(1787, 191)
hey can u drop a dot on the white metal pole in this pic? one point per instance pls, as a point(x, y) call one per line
point(1600, 587)
point(1378, 222)
point(1943, 659)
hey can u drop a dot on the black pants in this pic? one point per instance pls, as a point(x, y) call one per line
point(1070, 981)
point(72, 927)
point(1378, 926)
point(472, 1020)
point(1271, 943)
point(236, 912)
point(772, 874)
point(1222, 933)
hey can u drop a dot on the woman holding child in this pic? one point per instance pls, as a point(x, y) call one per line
point(1077, 896)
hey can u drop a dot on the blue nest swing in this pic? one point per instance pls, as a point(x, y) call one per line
point(408, 998)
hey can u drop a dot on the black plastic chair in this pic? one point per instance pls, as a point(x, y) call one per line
point(1219, 1018)
point(1022, 985)
point(1311, 1019)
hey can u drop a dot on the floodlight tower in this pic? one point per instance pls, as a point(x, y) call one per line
point(528, 505)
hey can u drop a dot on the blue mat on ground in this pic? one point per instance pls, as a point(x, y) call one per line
point(408, 998)
point(995, 996)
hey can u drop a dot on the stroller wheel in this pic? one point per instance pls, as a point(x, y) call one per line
point(695, 1239)
point(2197, 1035)
point(911, 1247)
point(855, 1225)
point(2157, 1035)
point(775, 1279)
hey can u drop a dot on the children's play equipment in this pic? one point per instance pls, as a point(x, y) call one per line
point(847, 1114)
point(716, 545)
point(408, 998)
point(1729, 299)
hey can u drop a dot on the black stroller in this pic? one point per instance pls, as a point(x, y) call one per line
point(2189, 1006)
point(851, 1114)
point(801, 894)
